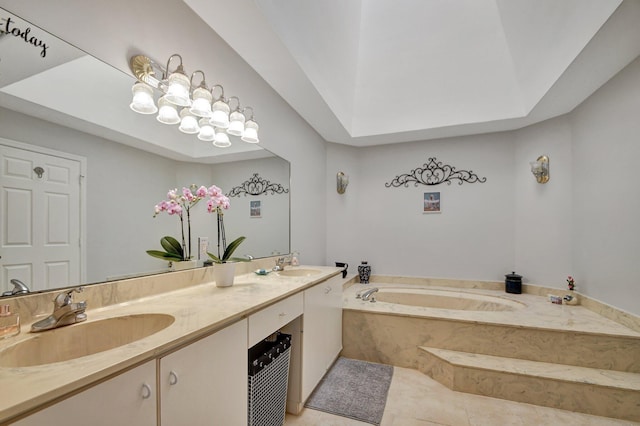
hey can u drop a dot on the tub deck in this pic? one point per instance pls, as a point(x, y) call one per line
point(537, 312)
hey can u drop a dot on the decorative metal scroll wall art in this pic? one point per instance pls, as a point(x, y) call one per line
point(434, 172)
point(257, 186)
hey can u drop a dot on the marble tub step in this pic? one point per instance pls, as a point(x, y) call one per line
point(594, 391)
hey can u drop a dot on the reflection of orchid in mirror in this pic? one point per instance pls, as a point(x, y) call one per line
point(216, 204)
point(178, 204)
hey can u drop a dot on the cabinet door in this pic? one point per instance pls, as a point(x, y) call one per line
point(205, 383)
point(334, 319)
point(322, 331)
point(127, 399)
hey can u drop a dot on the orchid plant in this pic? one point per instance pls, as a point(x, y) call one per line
point(178, 205)
point(216, 204)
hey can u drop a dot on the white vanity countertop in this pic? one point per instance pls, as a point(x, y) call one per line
point(198, 310)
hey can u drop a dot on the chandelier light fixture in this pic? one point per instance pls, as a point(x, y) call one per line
point(193, 107)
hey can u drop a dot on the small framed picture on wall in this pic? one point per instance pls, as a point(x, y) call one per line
point(431, 202)
point(255, 208)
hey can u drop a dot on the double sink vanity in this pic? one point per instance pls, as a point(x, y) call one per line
point(169, 349)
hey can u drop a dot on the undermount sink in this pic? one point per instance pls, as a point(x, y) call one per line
point(299, 272)
point(78, 340)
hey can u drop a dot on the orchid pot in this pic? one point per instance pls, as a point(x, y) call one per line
point(224, 274)
point(183, 265)
point(225, 265)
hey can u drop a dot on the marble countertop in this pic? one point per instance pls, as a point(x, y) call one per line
point(198, 310)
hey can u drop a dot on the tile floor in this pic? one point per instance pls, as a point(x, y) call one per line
point(417, 400)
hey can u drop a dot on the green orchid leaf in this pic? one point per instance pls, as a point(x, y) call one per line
point(164, 255)
point(233, 245)
point(215, 258)
point(171, 245)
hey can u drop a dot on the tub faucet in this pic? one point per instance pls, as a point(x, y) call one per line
point(18, 288)
point(65, 312)
point(367, 294)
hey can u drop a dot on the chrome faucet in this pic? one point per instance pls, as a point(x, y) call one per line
point(18, 288)
point(367, 294)
point(65, 312)
point(282, 261)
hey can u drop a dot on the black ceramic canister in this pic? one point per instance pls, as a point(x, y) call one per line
point(513, 283)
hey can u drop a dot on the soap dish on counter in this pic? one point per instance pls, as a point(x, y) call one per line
point(262, 271)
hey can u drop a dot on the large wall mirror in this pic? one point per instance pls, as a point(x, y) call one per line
point(81, 172)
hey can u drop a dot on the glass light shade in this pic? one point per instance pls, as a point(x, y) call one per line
point(188, 122)
point(536, 167)
point(220, 114)
point(201, 105)
point(236, 125)
point(167, 112)
point(221, 139)
point(142, 101)
point(250, 132)
point(178, 89)
point(207, 133)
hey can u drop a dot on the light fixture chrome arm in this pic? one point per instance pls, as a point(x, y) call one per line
point(202, 82)
point(237, 108)
point(221, 97)
point(245, 115)
point(180, 68)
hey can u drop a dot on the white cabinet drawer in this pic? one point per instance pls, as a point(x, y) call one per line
point(270, 319)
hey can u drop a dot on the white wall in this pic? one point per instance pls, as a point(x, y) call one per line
point(543, 211)
point(583, 222)
point(472, 238)
point(606, 196)
point(343, 210)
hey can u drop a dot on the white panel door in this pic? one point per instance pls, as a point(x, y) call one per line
point(40, 206)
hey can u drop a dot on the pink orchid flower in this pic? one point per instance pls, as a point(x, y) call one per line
point(173, 194)
point(214, 191)
point(187, 194)
point(202, 192)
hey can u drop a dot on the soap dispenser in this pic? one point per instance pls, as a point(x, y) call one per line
point(9, 322)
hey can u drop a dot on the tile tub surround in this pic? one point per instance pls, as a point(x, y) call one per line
point(199, 308)
point(563, 337)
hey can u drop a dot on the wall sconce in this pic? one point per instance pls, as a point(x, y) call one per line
point(193, 106)
point(540, 169)
point(342, 182)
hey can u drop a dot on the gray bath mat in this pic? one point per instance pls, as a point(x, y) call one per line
point(354, 389)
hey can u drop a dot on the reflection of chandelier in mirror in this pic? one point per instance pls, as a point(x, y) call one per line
point(195, 108)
